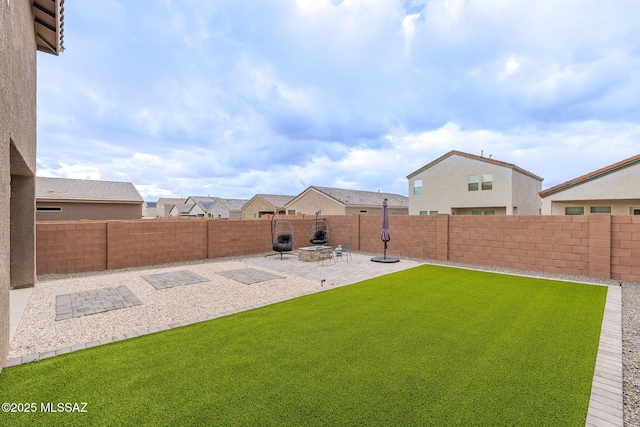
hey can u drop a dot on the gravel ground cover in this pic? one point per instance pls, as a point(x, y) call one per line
point(631, 352)
point(39, 332)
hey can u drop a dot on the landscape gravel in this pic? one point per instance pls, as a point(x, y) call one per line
point(631, 352)
point(39, 332)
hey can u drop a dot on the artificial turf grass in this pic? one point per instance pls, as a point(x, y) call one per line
point(430, 345)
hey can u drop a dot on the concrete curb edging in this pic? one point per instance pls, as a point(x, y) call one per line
point(606, 406)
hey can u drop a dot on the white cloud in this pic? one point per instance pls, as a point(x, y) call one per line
point(511, 66)
point(231, 100)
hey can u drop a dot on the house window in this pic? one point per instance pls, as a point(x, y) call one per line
point(424, 213)
point(476, 212)
point(417, 186)
point(574, 211)
point(489, 212)
point(487, 181)
point(635, 211)
point(433, 212)
point(600, 209)
point(48, 209)
point(363, 211)
point(291, 212)
point(473, 182)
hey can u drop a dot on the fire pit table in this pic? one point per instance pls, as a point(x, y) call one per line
point(311, 253)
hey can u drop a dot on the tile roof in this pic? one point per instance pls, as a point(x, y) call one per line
point(183, 208)
point(363, 198)
point(83, 189)
point(474, 157)
point(202, 199)
point(591, 176)
point(232, 204)
point(169, 201)
point(275, 200)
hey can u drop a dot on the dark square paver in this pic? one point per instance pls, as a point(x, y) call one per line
point(249, 275)
point(173, 279)
point(79, 304)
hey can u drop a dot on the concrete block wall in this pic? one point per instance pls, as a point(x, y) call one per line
point(558, 244)
point(71, 247)
point(594, 245)
point(150, 242)
point(625, 248)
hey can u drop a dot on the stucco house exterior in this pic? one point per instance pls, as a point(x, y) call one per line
point(459, 183)
point(25, 28)
point(64, 199)
point(149, 210)
point(265, 204)
point(339, 201)
point(164, 205)
point(181, 209)
point(614, 189)
point(226, 208)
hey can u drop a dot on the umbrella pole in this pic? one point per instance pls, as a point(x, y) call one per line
point(385, 249)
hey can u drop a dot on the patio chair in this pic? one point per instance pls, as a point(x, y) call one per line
point(282, 238)
point(319, 232)
point(325, 252)
point(345, 252)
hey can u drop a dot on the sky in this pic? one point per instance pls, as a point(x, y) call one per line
point(236, 98)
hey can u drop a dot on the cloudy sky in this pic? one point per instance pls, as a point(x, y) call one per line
point(233, 98)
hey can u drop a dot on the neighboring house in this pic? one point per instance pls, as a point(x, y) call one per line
point(338, 201)
point(149, 210)
point(265, 204)
point(25, 27)
point(198, 209)
point(465, 184)
point(60, 199)
point(206, 201)
point(164, 205)
point(226, 208)
point(181, 209)
point(614, 189)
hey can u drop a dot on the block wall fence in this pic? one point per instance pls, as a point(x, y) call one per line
point(594, 245)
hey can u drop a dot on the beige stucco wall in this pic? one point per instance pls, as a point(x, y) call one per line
point(445, 189)
point(255, 206)
point(619, 189)
point(525, 194)
point(217, 210)
point(94, 211)
point(17, 154)
point(312, 201)
point(368, 210)
point(618, 207)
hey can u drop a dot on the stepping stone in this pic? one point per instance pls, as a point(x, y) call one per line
point(173, 279)
point(80, 304)
point(249, 276)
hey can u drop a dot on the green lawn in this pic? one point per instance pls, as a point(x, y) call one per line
point(426, 346)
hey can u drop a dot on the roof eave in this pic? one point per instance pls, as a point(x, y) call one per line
point(589, 177)
point(48, 20)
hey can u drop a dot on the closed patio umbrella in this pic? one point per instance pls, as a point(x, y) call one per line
point(385, 236)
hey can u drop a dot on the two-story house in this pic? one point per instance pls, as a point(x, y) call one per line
point(614, 189)
point(460, 183)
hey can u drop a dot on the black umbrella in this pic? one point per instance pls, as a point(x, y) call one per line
point(385, 236)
